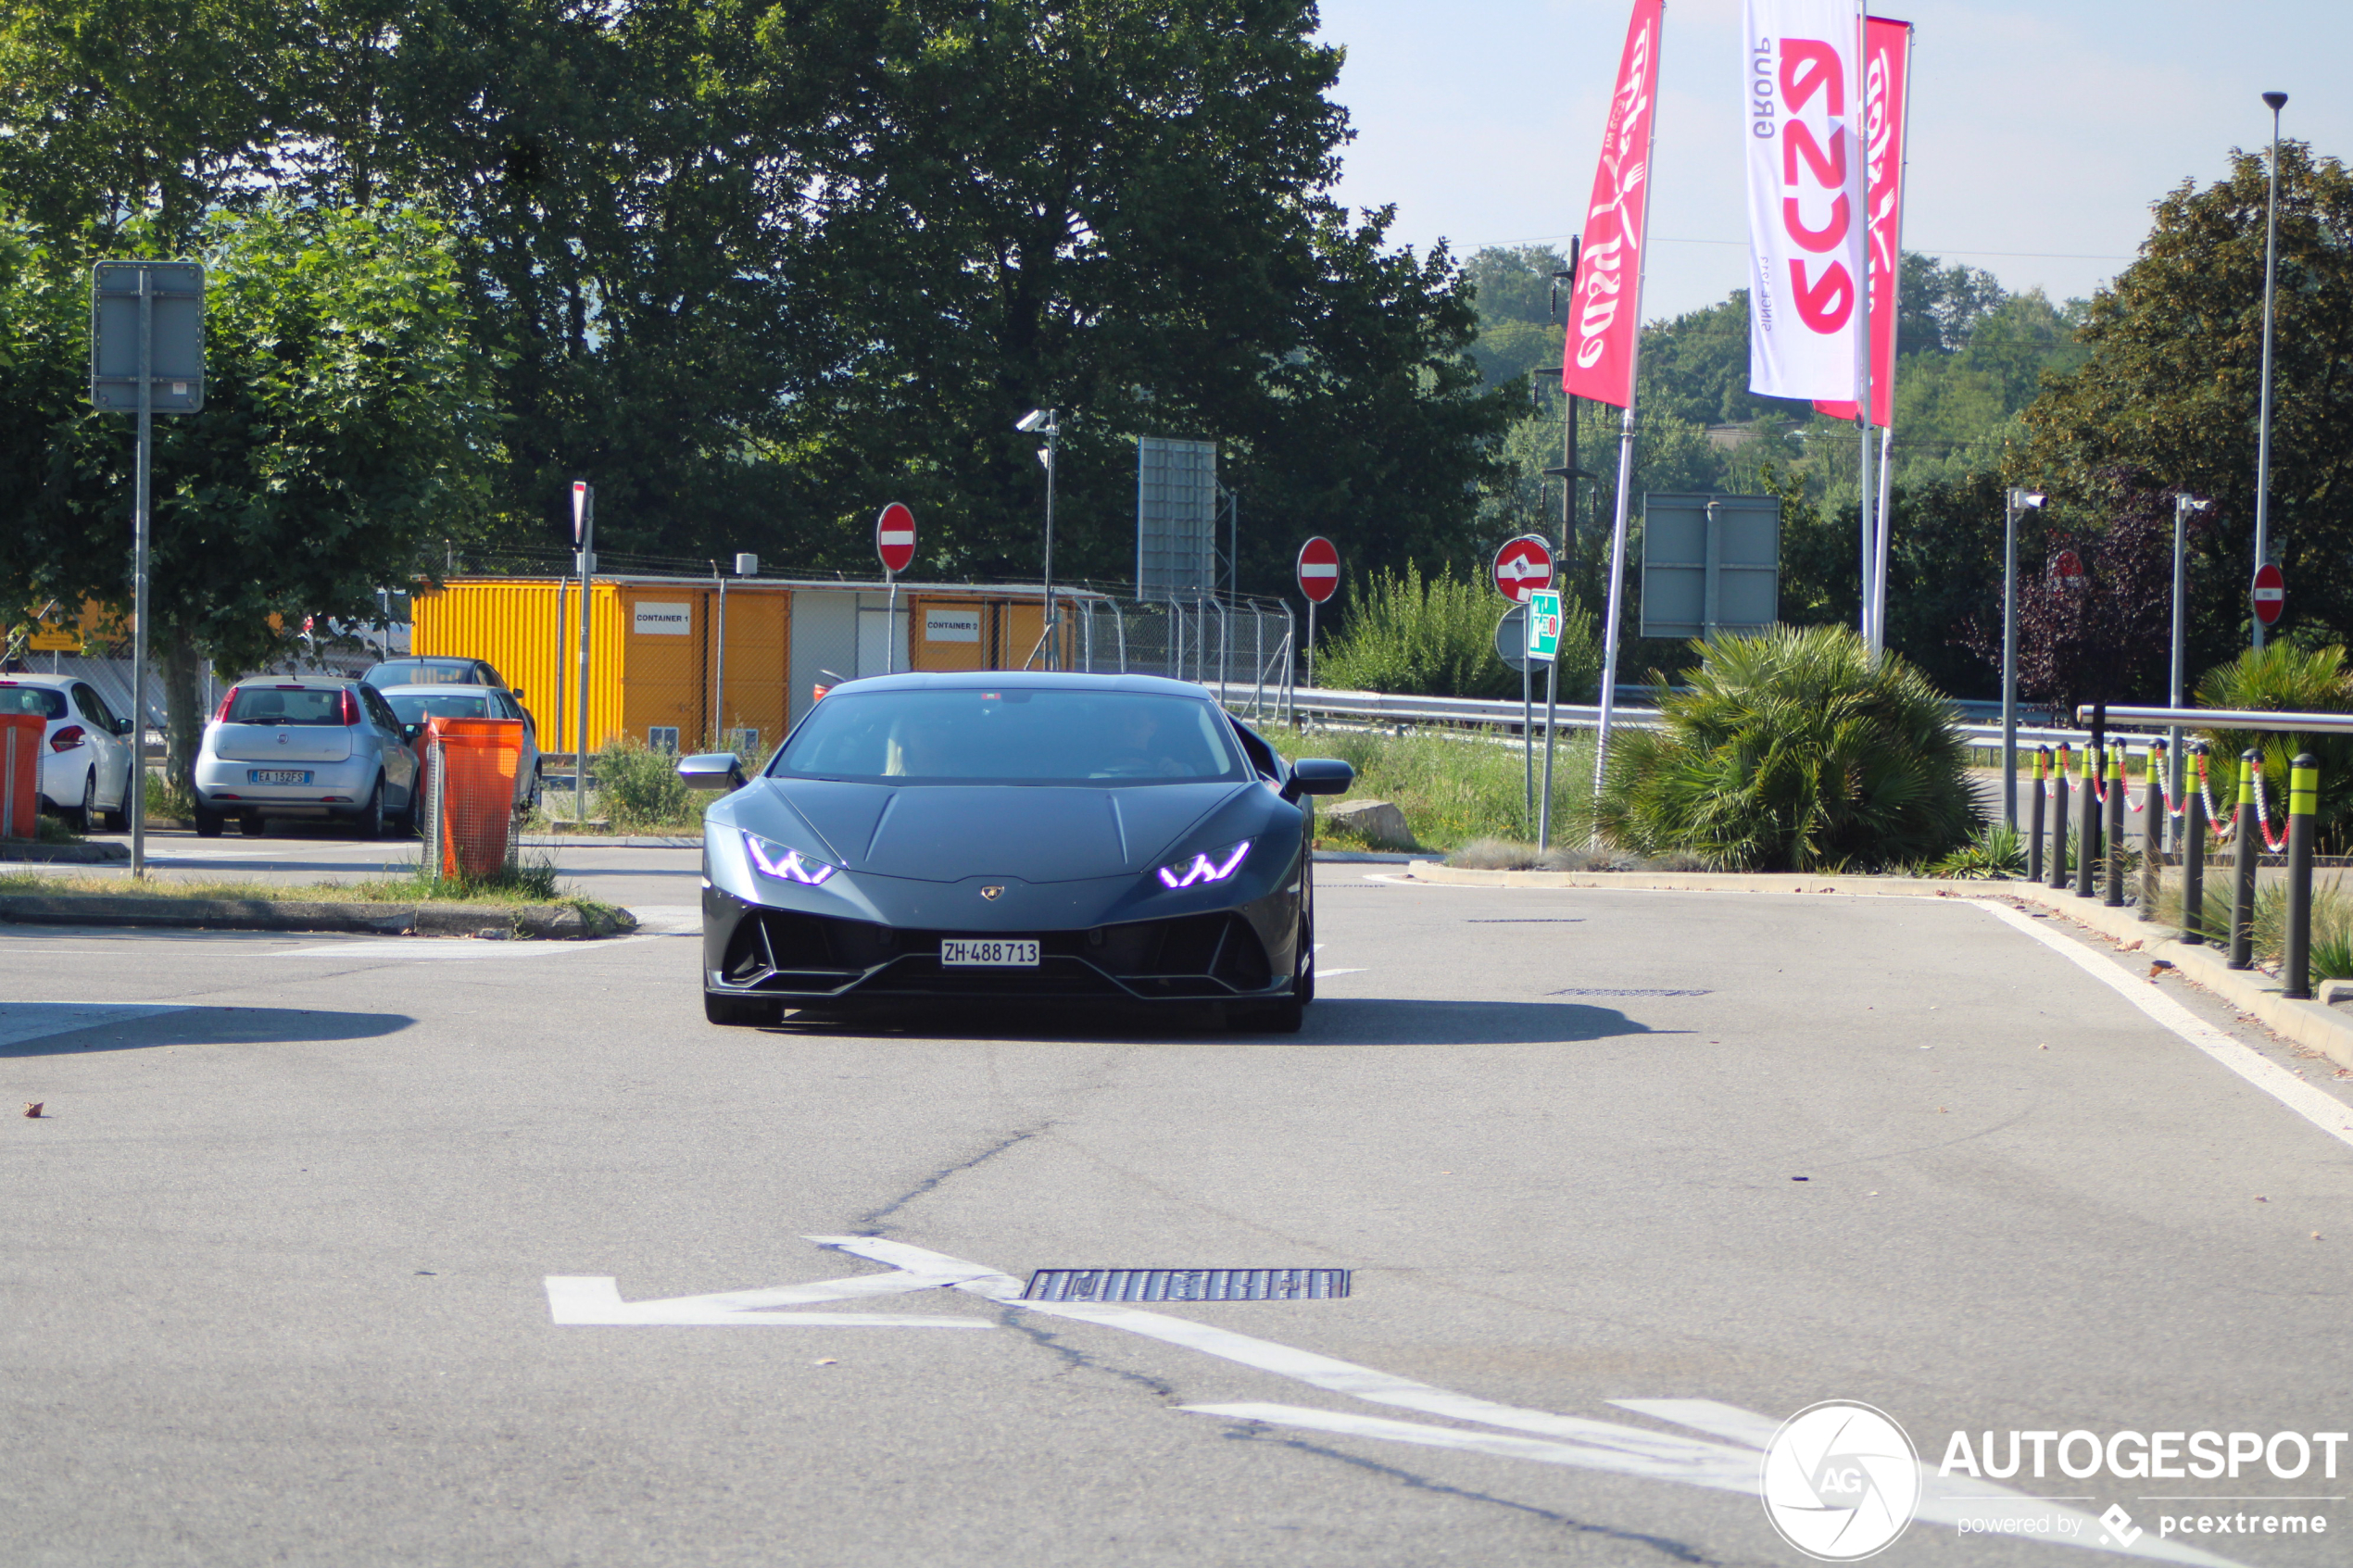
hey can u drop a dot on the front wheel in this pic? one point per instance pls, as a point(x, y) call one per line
point(752, 1010)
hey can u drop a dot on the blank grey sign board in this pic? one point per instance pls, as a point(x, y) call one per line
point(1710, 564)
point(177, 369)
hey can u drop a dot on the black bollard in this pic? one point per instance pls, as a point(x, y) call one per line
point(2058, 821)
point(2114, 896)
point(2303, 792)
point(2088, 837)
point(2035, 815)
point(2153, 832)
point(2194, 851)
point(2250, 848)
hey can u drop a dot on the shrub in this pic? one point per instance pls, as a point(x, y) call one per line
point(1436, 637)
point(1996, 854)
point(1795, 750)
point(640, 787)
point(2283, 677)
point(1455, 786)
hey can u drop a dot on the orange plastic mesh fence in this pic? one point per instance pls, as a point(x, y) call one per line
point(20, 738)
point(472, 764)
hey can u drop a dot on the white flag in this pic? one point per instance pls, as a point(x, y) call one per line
point(1806, 211)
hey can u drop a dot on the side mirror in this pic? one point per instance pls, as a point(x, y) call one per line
point(122, 726)
point(712, 769)
point(1319, 775)
point(411, 732)
point(516, 692)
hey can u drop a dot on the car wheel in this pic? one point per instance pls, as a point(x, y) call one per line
point(251, 825)
point(208, 822)
point(741, 1010)
point(78, 817)
point(369, 820)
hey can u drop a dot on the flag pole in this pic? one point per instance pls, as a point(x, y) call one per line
point(1895, 317)
point(1873, 617)
point(1626, 452)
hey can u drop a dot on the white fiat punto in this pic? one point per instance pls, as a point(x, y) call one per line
point(306, 748)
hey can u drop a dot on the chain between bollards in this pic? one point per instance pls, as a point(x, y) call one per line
point(2034, 814)
point(2250, 850)
point(2193, 858)
point(2303, 794)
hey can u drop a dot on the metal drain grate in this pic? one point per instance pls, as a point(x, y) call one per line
point(1186, 1284)
point(1623, 991)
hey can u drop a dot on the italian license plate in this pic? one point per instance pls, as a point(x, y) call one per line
point(276, 775)
point(956, 951)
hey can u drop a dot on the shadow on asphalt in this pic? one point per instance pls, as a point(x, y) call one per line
point(185, 1026)
point(1334, 1021)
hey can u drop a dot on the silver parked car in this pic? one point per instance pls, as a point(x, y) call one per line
point(306, 748)
point(417, 704)
point(85, 762)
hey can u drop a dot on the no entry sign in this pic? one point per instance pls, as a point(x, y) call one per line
point(1318, 569)
point(2066, 566)
point(1522, 567)
point(895, 537)
point(2271, 593)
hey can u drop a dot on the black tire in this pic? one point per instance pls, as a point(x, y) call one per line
point(1285, 1016)
point(751, 1010)
point(77, 818)
point(251, 824)
point(369, 820)
point(208, 822)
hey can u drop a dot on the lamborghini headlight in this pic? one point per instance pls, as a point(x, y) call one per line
point(1215, 865)
point(785, 865)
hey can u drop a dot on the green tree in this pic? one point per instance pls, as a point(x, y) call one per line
point(2170, 389)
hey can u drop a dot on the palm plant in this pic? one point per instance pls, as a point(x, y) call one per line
point(1795, 750)
point(2286, 678)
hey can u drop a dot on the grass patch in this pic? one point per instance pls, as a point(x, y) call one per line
point(532, 882)
point(1508, 855)
point(1454, 785)
point(2332, 922)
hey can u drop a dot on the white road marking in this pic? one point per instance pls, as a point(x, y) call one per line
point(574, 1299)
point(2324, 1111)
point(1594, 1444)
point(18, 1023)
point(459, 948)
point(1323, 973)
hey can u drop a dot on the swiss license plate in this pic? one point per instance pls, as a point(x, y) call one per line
point(276, 775)
point(958, 950)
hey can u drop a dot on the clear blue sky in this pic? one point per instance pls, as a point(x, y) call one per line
point(2042, 129)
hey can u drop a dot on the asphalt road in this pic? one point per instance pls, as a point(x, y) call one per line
point(276, 1280)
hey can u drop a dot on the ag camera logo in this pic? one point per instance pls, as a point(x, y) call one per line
point(1841, 1481)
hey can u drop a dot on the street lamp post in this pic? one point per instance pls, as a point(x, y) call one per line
point(2014, 500)
point(1033, 421)
point(2183, 507)
point(2263, 426)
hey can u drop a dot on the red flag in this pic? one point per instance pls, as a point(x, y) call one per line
point(1887, 60)
point(1606, 308)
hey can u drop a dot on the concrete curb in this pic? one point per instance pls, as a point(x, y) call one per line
point(67, 854)
point(2311, 1025)
point(546, 921)
point(611, 841)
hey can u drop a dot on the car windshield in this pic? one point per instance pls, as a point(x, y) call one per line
point(415, 709)
point(285, 705)
point(420, 674)
point(48, 704)
point(978, 735)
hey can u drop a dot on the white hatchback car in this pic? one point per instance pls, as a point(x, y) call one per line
point(306, 748)
point(85, 765)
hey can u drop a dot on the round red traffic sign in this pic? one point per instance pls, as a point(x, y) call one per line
point(895, 537)
point(1523, 566)
point(2067, 564)
point(2270, 593)
point(1318, 568)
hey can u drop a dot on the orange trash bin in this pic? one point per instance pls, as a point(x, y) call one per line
point(20, 744)
point(471, 765)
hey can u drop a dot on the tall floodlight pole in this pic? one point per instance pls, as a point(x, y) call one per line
point(584, 535)
point(2016, 500)
point(2183, 507)
point(142, 531)
point(2278, 101)
point(1043, 419)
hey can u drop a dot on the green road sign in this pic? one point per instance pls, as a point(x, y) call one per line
point(1543, 625)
